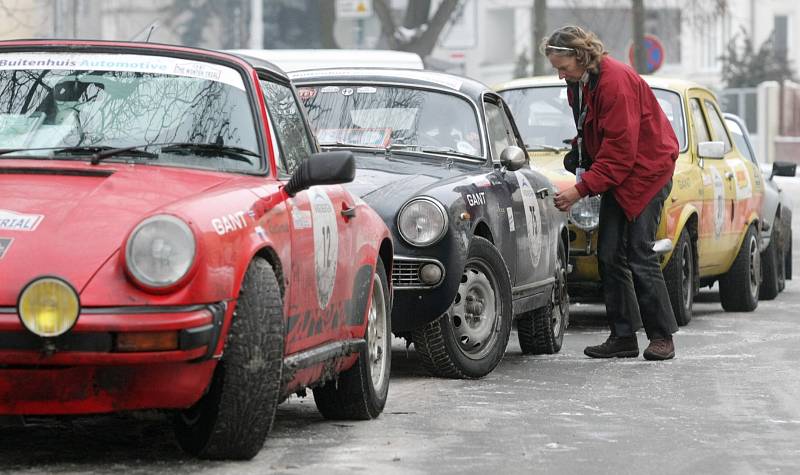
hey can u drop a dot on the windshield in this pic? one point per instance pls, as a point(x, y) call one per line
point(391, 116)
point(53, 101)
point(544, 117)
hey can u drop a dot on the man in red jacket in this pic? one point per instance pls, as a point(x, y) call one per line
point(626, 151)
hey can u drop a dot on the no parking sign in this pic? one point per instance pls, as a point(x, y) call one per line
point(654, 52)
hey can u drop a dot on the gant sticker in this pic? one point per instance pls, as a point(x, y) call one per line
point(476, 199)
point(5, 243)
point(11, 221)
point(229, 222)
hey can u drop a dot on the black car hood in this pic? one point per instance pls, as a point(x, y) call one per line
point(392, 179)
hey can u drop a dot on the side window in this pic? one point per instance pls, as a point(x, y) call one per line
point(700, 130)
point(741, 142)
point(288, 125)
point(717, 125)
point(500, 134)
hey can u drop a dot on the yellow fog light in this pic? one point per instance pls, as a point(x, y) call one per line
point(48, 306)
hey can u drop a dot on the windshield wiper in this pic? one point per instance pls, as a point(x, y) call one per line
point(101, 152)
point(351, 145)
point(539, 146)
point(448, 151)
point(237, 153)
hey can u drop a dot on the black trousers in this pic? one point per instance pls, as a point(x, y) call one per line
point(633, 285)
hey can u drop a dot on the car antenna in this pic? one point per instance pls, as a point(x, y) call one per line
point(148, 30)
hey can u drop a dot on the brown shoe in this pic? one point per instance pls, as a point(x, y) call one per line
point(614, 347)
point(660, 349)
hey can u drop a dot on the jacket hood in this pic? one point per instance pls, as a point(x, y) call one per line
point(67, 220)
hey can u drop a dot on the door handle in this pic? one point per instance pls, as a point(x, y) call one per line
point(729, 175)
point(349, 213)
point(542, 193)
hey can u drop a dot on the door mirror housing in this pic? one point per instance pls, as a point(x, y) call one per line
point(324, 168)
point(781, 168)
point(513, 158)
point(711, 150)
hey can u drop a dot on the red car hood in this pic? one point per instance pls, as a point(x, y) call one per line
point(68, 219)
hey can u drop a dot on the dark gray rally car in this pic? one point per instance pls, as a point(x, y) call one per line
point(478, 241)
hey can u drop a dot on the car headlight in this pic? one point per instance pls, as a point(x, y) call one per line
point(48, 306)
point(422, 221)
point(160, 251)
point(585, 214)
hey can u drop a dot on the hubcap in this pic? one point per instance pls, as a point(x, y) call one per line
point(376, 336)
point(755, 266)
point(475, 311)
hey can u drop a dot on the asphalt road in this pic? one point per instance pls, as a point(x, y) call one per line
point(728, 403)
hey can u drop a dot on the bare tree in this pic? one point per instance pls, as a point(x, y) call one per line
point(419, 32)
point(192, 19)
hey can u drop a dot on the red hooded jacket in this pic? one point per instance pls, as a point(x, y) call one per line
point(631, 143)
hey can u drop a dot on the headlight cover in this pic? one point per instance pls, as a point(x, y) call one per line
point(422, 221)
point(48, 307)
point(585, 214)
point(160, 251)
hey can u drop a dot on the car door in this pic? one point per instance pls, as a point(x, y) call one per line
point(321, 272)
point(716, 212)
point(530, 221)
point(738, 182)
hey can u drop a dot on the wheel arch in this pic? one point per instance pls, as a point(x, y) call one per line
point(269, 254)
point(386, 253)
point(482, 229)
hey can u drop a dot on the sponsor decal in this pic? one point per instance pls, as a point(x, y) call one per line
point(5, 243)
point(261, 233)
point(329, 89)
point(533, 218)
point(366, 90)
point(744, 187)
point(301, 219)
point(476, 199)
point(510, 213)
point(719, 201)
point(12, 221)
point(197, 70)
point(436, 78)
point(348, 91)
point(326, 244)
point(230, 222)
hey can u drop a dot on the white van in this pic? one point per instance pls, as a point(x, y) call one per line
point(300, 59)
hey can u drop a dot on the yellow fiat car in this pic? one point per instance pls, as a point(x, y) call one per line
point(710, 225)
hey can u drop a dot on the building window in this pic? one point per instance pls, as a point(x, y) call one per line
point(781, 32)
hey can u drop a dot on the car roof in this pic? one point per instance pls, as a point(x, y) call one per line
point(675, 84)
point(302, 59)
point(405, 77)
point(131, 47)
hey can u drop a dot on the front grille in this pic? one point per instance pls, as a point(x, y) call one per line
point(405, 273)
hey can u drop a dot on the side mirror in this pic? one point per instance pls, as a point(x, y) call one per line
point(324, 168)
point(783, 169)
point(513, 158)
point(711, 150)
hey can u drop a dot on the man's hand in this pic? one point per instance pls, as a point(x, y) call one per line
point(565, 199)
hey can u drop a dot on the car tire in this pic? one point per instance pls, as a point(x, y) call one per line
point(541, 332)
point(460, 346)
point(738, 288)
point(780, 253)
point(787, 265)
point(360, 392)
point(771, 265)
point(232, 420)
point(679, 275)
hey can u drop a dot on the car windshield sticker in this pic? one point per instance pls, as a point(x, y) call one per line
point(306, 93)
point(326, 244)
point(229, 222)
point(366, 90)
point(11, 221)
point(533, 217)
point(122, 62)
point(510, 212)
point(348, 91)
point(744, 188)
point(329, 89)
point(5, 243)
point(719, 201)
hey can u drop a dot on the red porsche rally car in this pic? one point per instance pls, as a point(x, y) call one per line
point(171, 238)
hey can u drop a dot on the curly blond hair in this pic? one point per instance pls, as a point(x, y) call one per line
point(575, 41)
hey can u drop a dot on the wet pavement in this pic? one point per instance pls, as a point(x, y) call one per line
point(728, 403)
